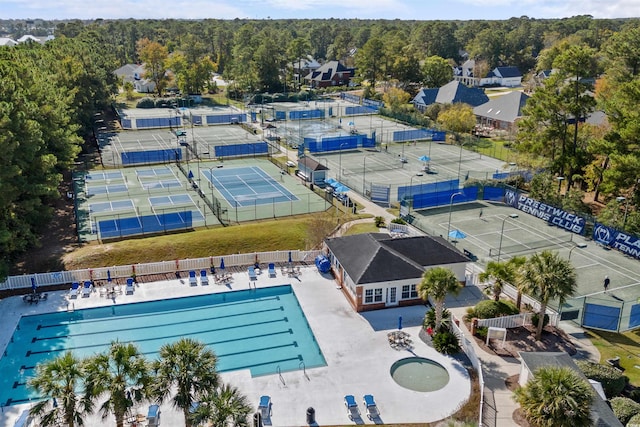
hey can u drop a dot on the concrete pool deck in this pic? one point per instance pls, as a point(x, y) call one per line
point(355, 347)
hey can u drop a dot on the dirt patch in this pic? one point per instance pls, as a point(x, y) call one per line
point(523, 339)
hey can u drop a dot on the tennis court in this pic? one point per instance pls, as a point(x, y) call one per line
point(246, 186)
point(497, 235)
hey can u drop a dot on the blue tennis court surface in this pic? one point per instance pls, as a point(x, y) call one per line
point(248, 186)
point(103, 176)
point(158, 223)
point(168, 183)
point(146, 173)
point(119, 205)
point(262, 330)
point(176, 199)
point(93, 190)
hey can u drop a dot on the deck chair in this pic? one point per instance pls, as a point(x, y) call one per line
point(193, 280)
point(86, 289)
point(265, 406)
point(75, 290)
point(130, 288)
point(372, 408)
point(252, 273)
point(352, 407)
point(272, 270)
point(204, 280)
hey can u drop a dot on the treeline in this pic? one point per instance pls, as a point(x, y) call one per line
point(48, 95)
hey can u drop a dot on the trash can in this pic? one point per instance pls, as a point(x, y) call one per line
point(311, 416)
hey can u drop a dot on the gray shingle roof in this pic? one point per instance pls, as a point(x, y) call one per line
point(377, 257)
point(506, 108)
point(451, 93)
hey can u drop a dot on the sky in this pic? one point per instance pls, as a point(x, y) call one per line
point(315, 9)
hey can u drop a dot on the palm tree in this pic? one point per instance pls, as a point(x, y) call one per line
point(60, 379)
point(546, 276)
point(223, 407)
point(188, 366)
point(123, 374)
point(437, 283)
point(501, 273)
point(556, 397)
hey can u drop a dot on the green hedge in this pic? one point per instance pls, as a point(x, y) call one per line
point(613, 382)
point(488, 309)
point(624, 408)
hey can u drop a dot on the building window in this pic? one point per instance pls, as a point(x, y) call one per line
point(368, 296)
point(409, 292)
point(378, 295)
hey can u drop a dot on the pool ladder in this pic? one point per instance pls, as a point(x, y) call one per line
point(71, 307)
point(280, 376)
point(304, 370)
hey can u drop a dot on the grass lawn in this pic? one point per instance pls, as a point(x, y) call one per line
point(301, 232)
point(625, 345)
point(368, 227)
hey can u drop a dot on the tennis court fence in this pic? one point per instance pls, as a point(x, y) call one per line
point(163, 267)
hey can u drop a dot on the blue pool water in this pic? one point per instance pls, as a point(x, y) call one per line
point(260, 330)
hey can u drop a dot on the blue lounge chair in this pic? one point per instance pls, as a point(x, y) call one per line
point(252, 273)
point(204, 280)
point(86, 290)
point(75, 290)
point(130, 288)
point(352, 407)
point(272, 270)
point(265, 406)
point(372, 408)
point(193, 280)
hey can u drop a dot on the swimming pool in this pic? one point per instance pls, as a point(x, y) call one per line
point(262, 330)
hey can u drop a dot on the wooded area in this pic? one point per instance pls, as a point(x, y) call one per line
point(49, 93)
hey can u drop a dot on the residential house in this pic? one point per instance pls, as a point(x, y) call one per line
point(134, 73)
point(500, 113)
point(34, 39)
point(530, 362)
point(312, 171)
point(465, 73)
point(502, 76)
point(376, 270)
point(303, 67)
point(451, 93)
point(332, 73)
point(6, 41)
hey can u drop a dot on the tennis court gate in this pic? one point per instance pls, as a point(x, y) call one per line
point(214, 204)
point(602, 313)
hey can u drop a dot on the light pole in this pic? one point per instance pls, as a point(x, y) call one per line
point(502, 232)
point(340, 161)
point(364, 173)
point(621, 199)
point(577, 245)
point(450, 207)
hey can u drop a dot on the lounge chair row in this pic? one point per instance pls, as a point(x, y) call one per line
point(369, 403)
point(193, 278)
point(87, 288)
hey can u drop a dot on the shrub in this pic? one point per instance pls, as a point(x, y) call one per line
point(430, 319)
point(482, 331)
point(613, 382)
point(634, 421)
point(489, 309)
point(535, 318)
point(446, 342)
point(398, 221)
point(146, 103)
point(379, 221)
point(624, 408)
point(635, 395)
point(163, 103)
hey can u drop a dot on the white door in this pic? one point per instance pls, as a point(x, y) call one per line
point(392, 297)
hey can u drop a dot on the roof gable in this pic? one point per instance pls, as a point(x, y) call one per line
point(506, 108)
point(454, 92)
point(506, 72)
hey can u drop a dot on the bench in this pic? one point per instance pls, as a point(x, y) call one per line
point(615, 362)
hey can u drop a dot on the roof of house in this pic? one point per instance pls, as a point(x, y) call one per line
point(451, 93)
point(601, 413)
point(506, 108)
point(507, 72)
point(327, 70)
point(312, 164)
point(6, 41)
point(378, 257)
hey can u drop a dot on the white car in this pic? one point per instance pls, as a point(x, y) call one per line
point(291, 164)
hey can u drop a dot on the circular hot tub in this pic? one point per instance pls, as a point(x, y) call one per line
point(419, 374)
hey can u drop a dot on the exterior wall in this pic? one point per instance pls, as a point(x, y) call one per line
point(318, 178)
point(524, 375)
point(511, 81)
